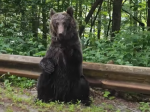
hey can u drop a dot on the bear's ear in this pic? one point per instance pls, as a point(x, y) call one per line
point(70, 11)
point(52, 12)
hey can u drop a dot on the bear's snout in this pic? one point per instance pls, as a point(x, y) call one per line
point(60, 30)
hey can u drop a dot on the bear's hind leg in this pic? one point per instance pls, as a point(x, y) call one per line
point(81, 91)
point(44, 89)
point(44, 95)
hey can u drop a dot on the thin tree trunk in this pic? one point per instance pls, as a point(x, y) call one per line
point(34, 21)
point(116, 17)
point(44, 20)
point(109, 23)
point(80, 13)
point(105, 20)
point(130, 19)
point(76, 10)
point(135, 15)
point(108, 27)
point(99, 26)
point(23, 25)
point(148, 17)
point(82, 27)
point(93, 22)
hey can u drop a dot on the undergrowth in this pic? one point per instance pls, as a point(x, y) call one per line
point(21, 82)
point(126, 49)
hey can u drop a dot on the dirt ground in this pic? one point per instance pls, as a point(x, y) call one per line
point(14, 99)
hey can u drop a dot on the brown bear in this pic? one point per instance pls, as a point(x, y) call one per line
point(62, 76)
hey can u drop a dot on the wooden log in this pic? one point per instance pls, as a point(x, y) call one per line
point(119, 77)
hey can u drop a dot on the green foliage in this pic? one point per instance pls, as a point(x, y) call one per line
point(144, 107)
point(21, 46)
point(106, 94)
point(7, 85)
point(17, 81)
point(127, 49)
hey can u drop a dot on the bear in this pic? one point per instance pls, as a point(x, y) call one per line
point(62, 76)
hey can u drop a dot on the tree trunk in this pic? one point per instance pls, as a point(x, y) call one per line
point(131, 18)
point(80, 13)
point(44, 20)
point(105, 19)
point(148, 17)
point(116, 17)
point(82, 27)
point(76, 10)
point(93, 21)
point(135, 15)
point(99, 26)
point(110, 19)
point(23, 24)
point(34, 21)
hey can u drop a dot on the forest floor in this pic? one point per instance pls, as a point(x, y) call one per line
point(15, 99)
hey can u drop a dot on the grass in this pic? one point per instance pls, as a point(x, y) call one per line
point(16, 95)
point(27, 103)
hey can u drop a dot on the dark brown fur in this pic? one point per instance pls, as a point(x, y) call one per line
point(62, 77)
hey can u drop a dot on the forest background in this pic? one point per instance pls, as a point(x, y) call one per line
point(110, 30)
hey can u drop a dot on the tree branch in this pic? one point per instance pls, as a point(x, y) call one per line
point(135, 18)
point(98, 2)
point(95, 17)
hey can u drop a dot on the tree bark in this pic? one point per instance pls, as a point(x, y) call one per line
point(34, 21)
point(23, 24)
point(110, 19)
point(116, 17)
point(135, 15)
point(105, 19)
point(76, 10)
point(93, 22)
point(99, 26)
point(82, 27)
point(130, 17)
point(22, 10)
point(148, 17)
point(80, 13)
point(44, 19)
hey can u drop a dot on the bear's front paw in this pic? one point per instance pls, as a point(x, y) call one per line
point(47, 65)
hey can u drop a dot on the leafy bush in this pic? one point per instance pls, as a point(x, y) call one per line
point(126, 49)
point(22, 46)
point(14, 40)
point(17, 81)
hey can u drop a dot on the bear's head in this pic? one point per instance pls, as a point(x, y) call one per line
point(62, 25)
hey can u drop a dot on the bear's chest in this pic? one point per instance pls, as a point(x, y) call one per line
point(65, 55)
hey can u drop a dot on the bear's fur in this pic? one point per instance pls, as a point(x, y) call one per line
point(62, 78)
